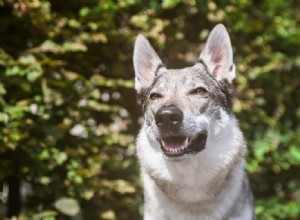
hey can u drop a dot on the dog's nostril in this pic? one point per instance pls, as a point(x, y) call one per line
point(175, 118)
point(168, 116)
point(158, 120)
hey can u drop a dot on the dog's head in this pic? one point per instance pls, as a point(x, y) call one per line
point(182, 106)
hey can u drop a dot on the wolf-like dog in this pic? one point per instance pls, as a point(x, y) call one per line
point(190, 147)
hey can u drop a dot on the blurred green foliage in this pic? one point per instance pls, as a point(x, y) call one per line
point(68, 114)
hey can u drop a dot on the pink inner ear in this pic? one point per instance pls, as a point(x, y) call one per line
point(217, 72)
point(217, 57)
point(147, 76)
point(146, 65)
point(147, 80)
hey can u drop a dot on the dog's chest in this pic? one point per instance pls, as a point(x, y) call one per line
point(178, 201)
point(188, 183)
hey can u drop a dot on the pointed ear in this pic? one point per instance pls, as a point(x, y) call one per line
point(146, 63)
point(217, 54)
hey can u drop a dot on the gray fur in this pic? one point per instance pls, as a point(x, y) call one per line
point(203, 177)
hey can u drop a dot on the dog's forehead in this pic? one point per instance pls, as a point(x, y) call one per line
point(183, 78)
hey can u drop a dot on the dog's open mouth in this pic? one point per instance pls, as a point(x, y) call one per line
point(179, 147)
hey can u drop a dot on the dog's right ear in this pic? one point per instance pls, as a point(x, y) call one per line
point(146, 63)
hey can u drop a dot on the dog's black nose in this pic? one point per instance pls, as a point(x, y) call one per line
point(168, 116)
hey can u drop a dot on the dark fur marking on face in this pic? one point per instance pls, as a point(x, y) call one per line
point(142, 97)
point(225, 87)
point(157, 68)
point(143, 94)
point(228, 91)
point(202, 62)
point(204, 108)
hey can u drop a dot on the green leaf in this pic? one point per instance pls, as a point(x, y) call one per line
point(27, 59)
point(4, 117)
point(170, 3)
point(74, 47)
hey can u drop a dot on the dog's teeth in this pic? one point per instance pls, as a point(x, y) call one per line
point(186, 142)
point(174, 147)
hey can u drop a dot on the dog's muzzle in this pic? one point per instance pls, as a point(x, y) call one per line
point(174, 144)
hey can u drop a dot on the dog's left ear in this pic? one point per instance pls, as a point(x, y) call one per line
point(146, 63)
point(217, 54)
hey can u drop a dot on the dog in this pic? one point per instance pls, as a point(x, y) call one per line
point(190, 147)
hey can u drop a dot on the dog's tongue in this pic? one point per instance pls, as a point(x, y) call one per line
point(175, 143)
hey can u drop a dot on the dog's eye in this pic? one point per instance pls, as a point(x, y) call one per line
point(199, 91)
point(154, 96)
